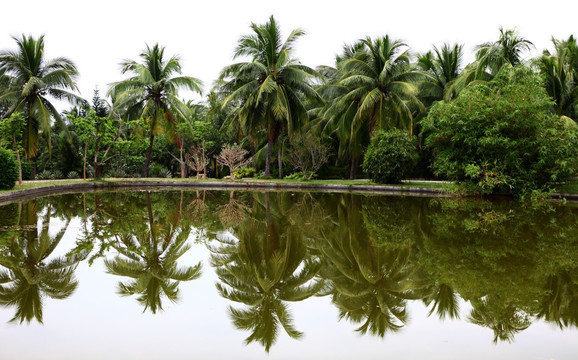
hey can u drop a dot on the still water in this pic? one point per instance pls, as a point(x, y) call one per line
point(286, 275)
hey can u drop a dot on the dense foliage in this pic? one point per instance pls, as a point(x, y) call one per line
point(8, 170)
point(267, 101)
point(502, 136)
point(390, 157)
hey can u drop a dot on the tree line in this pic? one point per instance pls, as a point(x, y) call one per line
point(285, 118)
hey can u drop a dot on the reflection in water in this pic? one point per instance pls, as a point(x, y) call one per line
point(29, 274)
point(148, 245)
point(263, 263)
point(371, 255)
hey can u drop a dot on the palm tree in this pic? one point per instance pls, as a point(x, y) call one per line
point(148, 255)
point(444, 65)
point(268, 92)
point(32, 81)
point(508, 49)
point(560, 74)
point(380, 91)
point(30, 275)
point(151, 93)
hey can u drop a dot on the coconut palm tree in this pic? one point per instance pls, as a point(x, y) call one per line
point(560, 73)
point(267, 93)
point(444, 65)
point(508, 49)
point(33, 81)
point(151, 93)
point(379, 87)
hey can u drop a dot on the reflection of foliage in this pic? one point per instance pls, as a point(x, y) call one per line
point(506, 320)
point(148, 253)
point(30, 274)
point(370, 284)
point(560, 305)
point(232, 212)
point(263, 265)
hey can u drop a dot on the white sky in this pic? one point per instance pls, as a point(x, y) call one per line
point(98, 35)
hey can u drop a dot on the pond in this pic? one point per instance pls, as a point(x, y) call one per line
point(180, 274)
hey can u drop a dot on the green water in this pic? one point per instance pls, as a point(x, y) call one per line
point(222, 275)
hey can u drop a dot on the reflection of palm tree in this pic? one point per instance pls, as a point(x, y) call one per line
point(148, 254)
point(30, 275)
point(444, 301)
point(265, 266)
point(506, 320)
point(371, 284)
point(560, 305)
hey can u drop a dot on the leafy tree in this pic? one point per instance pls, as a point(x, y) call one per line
point(33, 80)
point(11, 131)
point(152, 93)
point(268, 93)
point(501, 136)
point(8, 169)
point(99, 134)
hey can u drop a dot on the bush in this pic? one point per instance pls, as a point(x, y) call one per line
point(244, 172)
point(8, 170)
point(502, 136)
point(72, 175)
point(390, 157)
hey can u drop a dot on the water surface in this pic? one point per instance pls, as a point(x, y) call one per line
point(220, 275)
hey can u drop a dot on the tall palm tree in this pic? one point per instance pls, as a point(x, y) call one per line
point(32, 81)
point(268, 92)
point(380, 91)
point(152, 93)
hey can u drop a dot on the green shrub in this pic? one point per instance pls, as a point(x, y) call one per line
point(72, 175)
point(502, 136)
point(244, 172)
point(390, 157)
point(45, 175)
point(8, 170)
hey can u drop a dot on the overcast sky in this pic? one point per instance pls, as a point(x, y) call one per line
point(98, 35)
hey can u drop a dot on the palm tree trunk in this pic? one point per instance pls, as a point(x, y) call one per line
point(280, 162)
point(145, 169)
point(19, 161)
point(268, 161)
point(352, 168)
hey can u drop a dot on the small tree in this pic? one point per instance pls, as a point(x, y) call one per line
point(99, 134)
point(308, 155)
point(198, 161)
point(11, 132)
point(390, 157)
point(233, 157)
point(8, 169)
